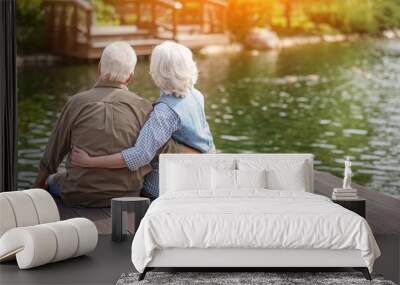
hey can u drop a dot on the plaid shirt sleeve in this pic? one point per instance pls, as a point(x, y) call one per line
point(151, 181)
point(157, 130)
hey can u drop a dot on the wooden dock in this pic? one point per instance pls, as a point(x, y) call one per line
point(383, 211)
point(70, 29)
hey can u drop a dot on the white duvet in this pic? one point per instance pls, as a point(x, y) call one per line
point(250, 219)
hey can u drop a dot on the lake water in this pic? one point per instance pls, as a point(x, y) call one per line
point(333, 100)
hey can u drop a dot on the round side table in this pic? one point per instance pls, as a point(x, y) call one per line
point(119, 208)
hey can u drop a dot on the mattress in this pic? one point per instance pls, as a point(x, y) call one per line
point(250, 219)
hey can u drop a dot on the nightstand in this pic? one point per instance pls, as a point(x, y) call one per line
point(119, 206)
point(357, 206)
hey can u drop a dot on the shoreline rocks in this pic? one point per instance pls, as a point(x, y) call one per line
point(264, 39)
point(261, 39)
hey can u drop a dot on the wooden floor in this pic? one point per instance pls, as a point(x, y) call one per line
point(145, 45)
point(110, 259)
point(140, 39)
point(383, 211)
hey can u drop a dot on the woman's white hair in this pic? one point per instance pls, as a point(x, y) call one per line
point(118, 62)
point(173, 69)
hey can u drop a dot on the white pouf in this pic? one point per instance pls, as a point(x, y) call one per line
point(65, 236)
point(37, 245)
point(26, 208)
point(45, 205)
point(31, 230)
point(23, 208)
point(7, 220)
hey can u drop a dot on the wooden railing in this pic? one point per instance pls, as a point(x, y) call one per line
point(162, 16)
point(152, 15)
point(208, 15)
point(165, 17)
point(67, 24)
point(216, 11)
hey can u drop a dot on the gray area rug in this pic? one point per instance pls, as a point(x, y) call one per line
point(243, 278)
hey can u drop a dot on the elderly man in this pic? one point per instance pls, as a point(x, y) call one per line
point(103, 120)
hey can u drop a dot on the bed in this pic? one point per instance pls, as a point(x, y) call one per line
point(246, 211)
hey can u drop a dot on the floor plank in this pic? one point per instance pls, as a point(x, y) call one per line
point(107, 211)
point(99, 217)
point(65, 211)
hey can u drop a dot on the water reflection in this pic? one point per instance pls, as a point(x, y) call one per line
point(332, 100)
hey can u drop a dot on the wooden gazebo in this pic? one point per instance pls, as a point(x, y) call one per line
point(71, 30)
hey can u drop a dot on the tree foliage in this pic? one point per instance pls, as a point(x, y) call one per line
point(289, 17)
point(30, 21)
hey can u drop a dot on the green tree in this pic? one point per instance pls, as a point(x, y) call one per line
point(30, 21)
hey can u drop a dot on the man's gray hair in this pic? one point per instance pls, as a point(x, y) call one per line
point(173, 69)
point(118, 62)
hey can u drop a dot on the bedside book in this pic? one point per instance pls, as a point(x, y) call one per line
point(344, 194)
point(340, 197)
point(340, 190)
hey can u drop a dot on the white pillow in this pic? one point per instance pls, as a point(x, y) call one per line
point(227, 179)
point(224, 179)
point(287, 175)
point(251, 178)
point(182, 178)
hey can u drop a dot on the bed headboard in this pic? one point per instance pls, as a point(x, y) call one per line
point(233, 160)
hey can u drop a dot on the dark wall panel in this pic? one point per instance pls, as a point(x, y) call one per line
point(8, 98)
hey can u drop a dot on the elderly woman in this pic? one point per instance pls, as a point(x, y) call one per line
point(178, 113)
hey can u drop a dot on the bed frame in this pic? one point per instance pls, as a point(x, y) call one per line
point(246, 259)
